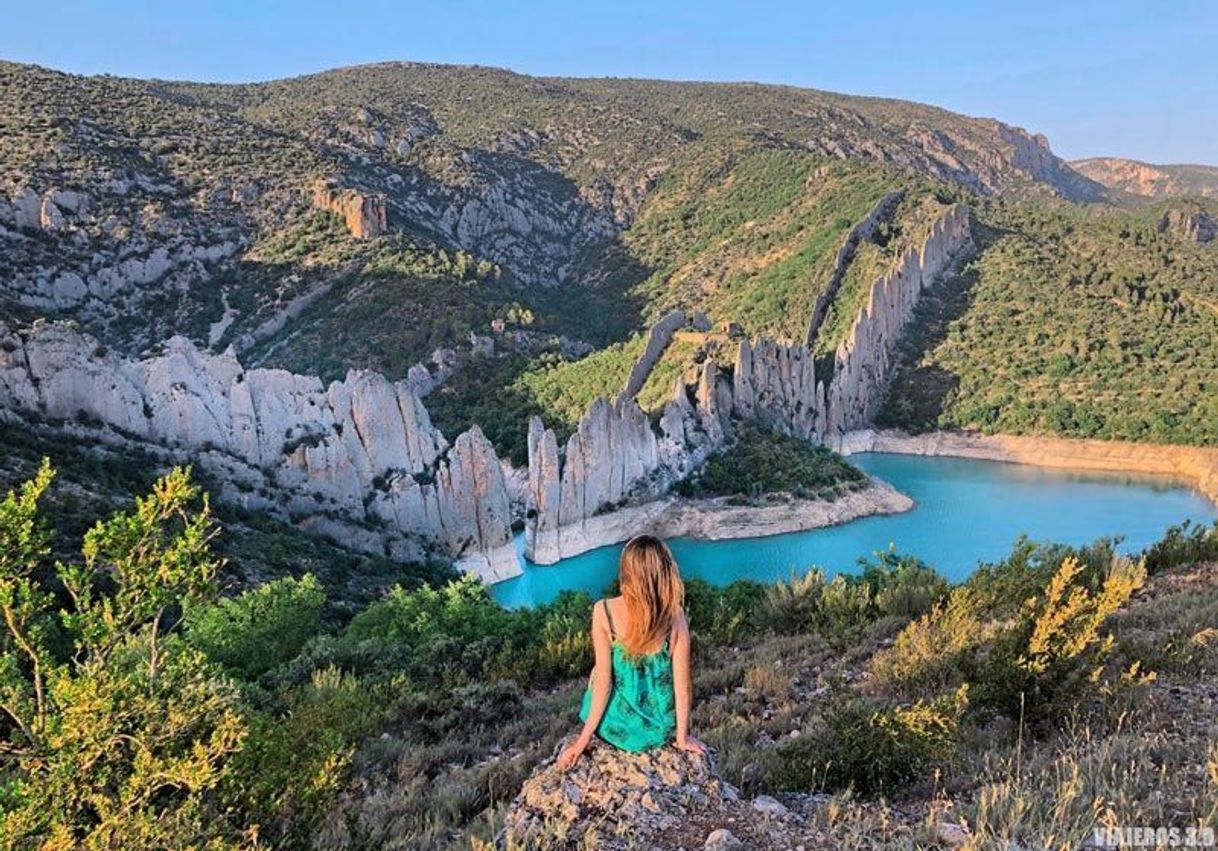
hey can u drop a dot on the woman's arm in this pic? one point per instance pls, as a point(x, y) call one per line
point(602, 684)
point(683, 685)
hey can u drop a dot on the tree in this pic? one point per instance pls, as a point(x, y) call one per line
point(262, 628)
point(124, 742)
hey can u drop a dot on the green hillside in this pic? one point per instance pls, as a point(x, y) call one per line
point(1081, 321)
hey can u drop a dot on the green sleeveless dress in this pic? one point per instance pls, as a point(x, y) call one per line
point(641, 713)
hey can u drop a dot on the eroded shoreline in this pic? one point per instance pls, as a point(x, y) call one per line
point(1195, 465)
point(716, 520)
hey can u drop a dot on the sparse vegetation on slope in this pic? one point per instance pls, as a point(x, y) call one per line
point(589, 206)
point(1075, 321)
point(761, 462)
point(1147, 180)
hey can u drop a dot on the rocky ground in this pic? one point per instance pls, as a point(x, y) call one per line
point(667, 799)
point(1156, 763)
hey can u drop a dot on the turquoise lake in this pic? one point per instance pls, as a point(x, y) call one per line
point(967, 512)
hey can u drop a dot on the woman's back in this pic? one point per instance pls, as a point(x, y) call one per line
point(641, 711)
point(640, 691)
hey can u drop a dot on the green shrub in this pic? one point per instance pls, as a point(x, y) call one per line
point(262, 628)
point(563, 644)
point(846, 606)
point(723, 615)
point(1053, 656)
point(294, 762)
point(872, 749)
point(927, 653)
point(434, 634)
point(893, 585)
point(792, 605)
point(1187, 543)
point(903, 586)
point(760, 461)
point(125, 743)
point(1000, 589)
point(465, 710)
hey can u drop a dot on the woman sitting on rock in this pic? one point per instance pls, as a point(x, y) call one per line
point(640, 691)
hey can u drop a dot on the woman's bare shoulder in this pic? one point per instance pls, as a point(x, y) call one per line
point(679, 623)
point(617, 605)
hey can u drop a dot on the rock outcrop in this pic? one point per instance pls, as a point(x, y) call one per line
point(862, 230)
point(1191, 225)
point(364, 213)
point(615, 800)
point(658, 339)
point(615, 457)
point(775, 385)
point(605, 461)
point(1150, 180)
point(864, 361)
point(718, 519)
point(358, 459)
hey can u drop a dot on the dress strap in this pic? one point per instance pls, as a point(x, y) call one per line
point(609, 616)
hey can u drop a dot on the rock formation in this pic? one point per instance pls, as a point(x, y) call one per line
point(1192, 225)
point(864, 361)
point(864, 229)
point(364, 214)
point(658, 339)
point(611, 452)
point(615, 457)
point(775, 385)
point(1150, 180)
point(615, 800)
point(358, 459)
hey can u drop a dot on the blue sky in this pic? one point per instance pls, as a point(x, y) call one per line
point(1112, 78)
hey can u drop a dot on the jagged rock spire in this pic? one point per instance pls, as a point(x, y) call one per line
point(356, 455)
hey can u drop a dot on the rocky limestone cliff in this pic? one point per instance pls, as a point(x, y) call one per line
point(358, 460)
point(52, 237)
point(1191, 225)
point(658, 338)
point(1030, 154)
point(615, 458)
point(364, 214)
point(506, 208)
point(863, 230)
point(775, 385)
point(864, 361)
point(611, 452)
point(1150, 180)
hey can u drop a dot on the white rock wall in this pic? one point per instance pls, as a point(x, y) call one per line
point(864, 361)
point(361, 451)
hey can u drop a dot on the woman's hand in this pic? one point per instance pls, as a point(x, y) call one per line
point(689, 744)
point(571, 753)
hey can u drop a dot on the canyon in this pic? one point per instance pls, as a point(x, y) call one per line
point(615, 457)
point(159, 259)
point(359, 460)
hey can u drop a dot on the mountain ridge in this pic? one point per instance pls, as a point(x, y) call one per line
point(1150, 180)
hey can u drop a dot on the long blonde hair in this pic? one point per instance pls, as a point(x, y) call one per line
point(654, 593)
